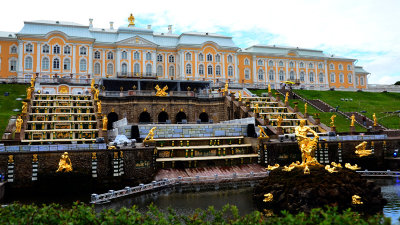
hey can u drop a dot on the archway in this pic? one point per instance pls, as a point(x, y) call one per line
point(162, 117)
point(203, 117)
point(112, 117)
point(144, 117)
point(180, 116)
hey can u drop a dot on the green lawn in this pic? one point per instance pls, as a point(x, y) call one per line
point(378, 103)
point(8, 103)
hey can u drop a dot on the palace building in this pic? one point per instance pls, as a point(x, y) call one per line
point(64, 49)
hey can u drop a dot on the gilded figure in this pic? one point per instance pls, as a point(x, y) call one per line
point(279, 121)
point(333, 120)
point(150, 135)
point(24, 107)
point(268, 197)
point(99, 107)
point(375, 120)
point(161, 92)
point(305, 108)
point(287, 98)
point(356, 200)
point(105, 122)
point(353, 119)
point(18, 124)
point(360, 149)
point(307, 146)
point(262, 132)
point(65, 164)
point(240, 96)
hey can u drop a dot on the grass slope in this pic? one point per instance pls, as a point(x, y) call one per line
point(8, 103)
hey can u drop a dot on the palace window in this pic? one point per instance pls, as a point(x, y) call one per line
point(261, 74)
point(148, 56)
point(271, 75)
point(356, 81)
point(67, 64)
point(46, 49)
point(171, 59)
point(218, 58)
point(341, 78)
point(230, 59)
point(110, 69)
point(362, 81)
point(301, 65)
point(29, 48)
point(45, 63)
point(56, 49)
point(310, 65)
point(291, 64)
point(159, 58)
point(97, 68)
point(302, 76)
point(124, 55)
point(311, 75)
point(159, 71)
point(97, 55)
point(82, 65)
point(291, 75)
point(348, 67)
point(246, 62)
point(56, 64)
point(201, 57)
point(13, 50)
point(333, 77)
point(321, 78)
point(171, 71)
point(136, 56)
point(260, 62)
point(209, 70)
point(188, 56)
point(201, 69)
point(188, 68)
point(320, 65)
point(331, 66)
point(280, 63)
point(350, 78)
point(82, 50)
point(270, 63)
point(136, 68)
point(209, 58)
point(246, 74)
point(340, 67)
point(124, 69)
point(13, 65)
point(110, 55)
point(230, 71)
point(218, 70)
point(28, 63)
point(281, 75)
point(67, 50)
point(148, 70)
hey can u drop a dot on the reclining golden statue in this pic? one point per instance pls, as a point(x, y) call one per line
point(161, 92)
point(360, 150)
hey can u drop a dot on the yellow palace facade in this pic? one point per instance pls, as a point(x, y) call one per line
point(64, 49)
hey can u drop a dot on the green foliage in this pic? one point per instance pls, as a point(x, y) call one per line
point(82, 214)
point(397, 83)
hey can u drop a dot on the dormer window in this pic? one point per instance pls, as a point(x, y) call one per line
point(46, 49)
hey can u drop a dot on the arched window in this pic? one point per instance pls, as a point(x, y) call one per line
point(356, 81)
point(310, 65)
point(260, 62)
point(270, 63)
point(333, 77)
point(201, 57)
point(188, 68)
point(301, 65)
point(67, 64)
point(97, 68)
point(56, 64)
point(218, 58)
point(341, 78)
point(82, 50)
point(311, 75)
point(230, 71)
point(148, 56)
point(124, 55)
point(321, 77)
point(188, 56)
point(362, 81)
point(350, 78)
point(302, 76)
point(218, 70)
point(110, 69)
point(246, 62)
point(29, 48)
point(13, 65)
point(171, 71)
point(82, 65)
point(348, 67)
point(209, 58)
point(291, 75)
point(291, 64)
point(171, 59)
point(159, 70)
point(230, 59)
point(271, 75)
point(159, 58)
point(319, 65)
point(201, 69)
point(56, 49)
point(124, 69)
point(45, 63)
point(209, 70)
point(281, 75)
point(67, 50)
point(136, 68)
point(136, 56)
point(331, 66)
point(46, 49)
point(110, 55)
point(97, 55)
point(28, 63)
point(148, 70)
point(280, 63)
point(261, 74)
point(340, 67)
point(13, 50)
point(246, 74)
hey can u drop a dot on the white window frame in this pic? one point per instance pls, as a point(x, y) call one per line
point(201, 57)
point(97, 68)
point(136, 68)
point(124, 55)
point(56, 49)
point(148, 56)
point(247, 74)
point(333, 78)
point(171, 59)
point(67, 50)
point(350, 78)
point(217, 58)
point(124, 68)
point(271, 74)
point(217, 70)
point(46, 49)
point(302, 76)
point(230, 59)
point(67, 66)
point(210, 70)
point(260, 74)
point(188, 56)
point(28, 65)
point(171, 71)
point(136, 55)
point(201, 69)
point(57, 67)
point(110, 55)
point(230, 71)
point(188, 68)
point(246, 62)
point(83, 65)
point(82, 50)
point(281, 75)
point(209, 57)
point(29, 48)
point(45, 64)
point(159, 58)
point(159, 71)
point(97, 55)
point(149, 69)
point(110, 71)
point(13, 65)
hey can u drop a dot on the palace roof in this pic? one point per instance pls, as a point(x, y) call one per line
point(360, 69)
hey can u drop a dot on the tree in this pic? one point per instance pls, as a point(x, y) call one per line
point(397, 83)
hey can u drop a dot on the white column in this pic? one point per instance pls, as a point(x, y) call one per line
point(266, 71)
point(73, 59)
point(166, 65)
point(223, 65)
point(306, 78)
point(276, 74)
point(182, 72)
point(254, 70)
point(196, 75)
point(236, 71)
point(118, 61)
point(104, 63)
point(20, 58)
point(287, 69)
point(297, 69)
point(143, 62)
point(326, 73)
point(129, 52)
point(38, 57)
point(90, 71)
point(154, 59)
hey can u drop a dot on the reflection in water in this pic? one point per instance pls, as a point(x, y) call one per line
point(391, 191)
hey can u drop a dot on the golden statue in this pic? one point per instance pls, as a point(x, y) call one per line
point(105, 122)
point(10, 158)
point(276, 166)
point(150, 135)
point(240, 96)
point(34, 158)
point(307, 146)
point(92, 84)
point(99, 107)
point(268, 197)
point(353, 118)
point(33, 82)
point(29, 91)
point(305, 108)
point(289, 168)
point(24, 107)
point(262, 132)
point(226, 88)
point(269, 88)
point(337, 165)
point(131, 20)
point(360, 150)
point(279, 121)
point(330, 169)
point(161, 92)
point(349, 166)
point(96, 94)
point(333, 120)
point(18, 124)
point(375, 120)
point(257, 110)
point(65, 164)
point(287, 97)
point(356, 200)
point(306, 170)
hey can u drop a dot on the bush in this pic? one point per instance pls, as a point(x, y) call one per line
point(83, 214)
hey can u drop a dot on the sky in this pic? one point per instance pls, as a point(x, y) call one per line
point(366, 30)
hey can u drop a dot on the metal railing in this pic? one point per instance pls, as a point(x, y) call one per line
point(153, 93)
point(386, 173)
point(137, 75)
point(111, 194)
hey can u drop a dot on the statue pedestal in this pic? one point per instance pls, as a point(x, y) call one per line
point(352, 129)
point(317, 121)
point(376, 128)
point(306, 115)
point(263, 140)
point(278, 98)
point(333, 129)
point(269, 94)
point(296, 108)
point(17, 136)
point(148, 143)
point(279, 131)
point(287, 104)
